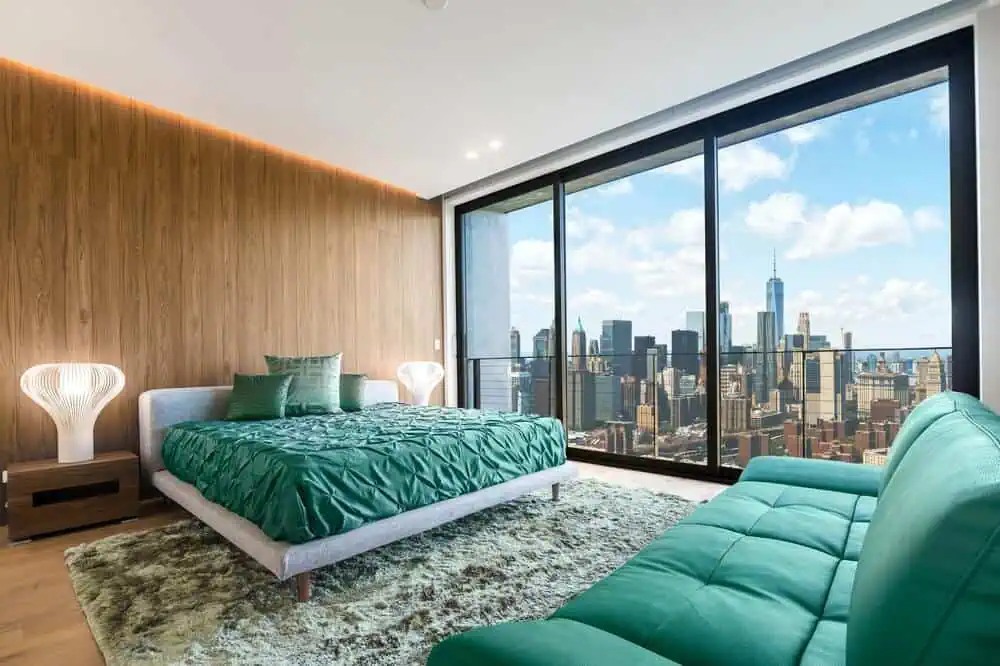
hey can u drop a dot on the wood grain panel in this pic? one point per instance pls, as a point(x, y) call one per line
point(182, 254)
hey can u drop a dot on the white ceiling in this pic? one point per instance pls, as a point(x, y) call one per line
point(395, 91)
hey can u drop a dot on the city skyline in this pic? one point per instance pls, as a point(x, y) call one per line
point(870, 255)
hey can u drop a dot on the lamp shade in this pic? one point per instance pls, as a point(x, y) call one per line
point(73, 394)
point(420, 378)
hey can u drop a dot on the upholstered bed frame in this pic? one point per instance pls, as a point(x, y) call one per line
point(161, 408)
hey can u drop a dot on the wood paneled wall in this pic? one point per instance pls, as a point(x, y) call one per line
point(182, 254)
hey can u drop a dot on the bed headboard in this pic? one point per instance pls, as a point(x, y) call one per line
point(161, 408)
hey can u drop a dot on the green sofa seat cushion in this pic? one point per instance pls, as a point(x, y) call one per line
point(760, 575)
point(547, 643)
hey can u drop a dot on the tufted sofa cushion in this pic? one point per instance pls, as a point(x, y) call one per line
point(761, 575)
point(715, 588)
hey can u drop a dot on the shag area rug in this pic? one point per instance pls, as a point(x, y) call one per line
point(182, 595)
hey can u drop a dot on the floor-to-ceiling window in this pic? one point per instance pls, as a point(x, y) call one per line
point(835, 274)
point(635, 294)
point(791, 277)
point(509, 320)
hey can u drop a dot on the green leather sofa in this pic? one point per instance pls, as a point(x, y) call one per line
point(802, 562)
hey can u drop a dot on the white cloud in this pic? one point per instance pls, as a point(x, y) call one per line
point(599, 302)
point(591, 244)
point(685, 227)
point(530, 262)
point(817, 231)
point(928, 218)
point(745, 163)
point(595, 255)
point(939, 110)
point(580, 226)
point(617, 188)
point(740, 166)
point(845, 227)
point(806, 133)
point(894, 313)
point(914, 133)
point(673, 274)
point(693, 168)
point(862, 142)
point(776, 215)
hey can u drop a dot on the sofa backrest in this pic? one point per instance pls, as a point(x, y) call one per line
point(927, 587)
point(923, 416)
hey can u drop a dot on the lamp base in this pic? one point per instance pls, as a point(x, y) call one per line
point(76, 446)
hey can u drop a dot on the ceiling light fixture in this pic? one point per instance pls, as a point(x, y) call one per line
point(435, 4)
point(472, 155)
point(496, 144)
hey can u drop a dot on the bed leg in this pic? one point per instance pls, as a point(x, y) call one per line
point(303, 586)
point(555, 492)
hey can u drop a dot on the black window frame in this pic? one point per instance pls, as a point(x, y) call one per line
point(955, 51)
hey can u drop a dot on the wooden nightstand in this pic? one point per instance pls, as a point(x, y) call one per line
point(45, 496)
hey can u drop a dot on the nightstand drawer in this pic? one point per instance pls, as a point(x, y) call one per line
point(46, 496)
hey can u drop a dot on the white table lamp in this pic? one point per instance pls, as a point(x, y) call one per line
point(73, 394)
point(420, 378)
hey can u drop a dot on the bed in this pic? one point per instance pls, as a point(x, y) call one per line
point(305, 492)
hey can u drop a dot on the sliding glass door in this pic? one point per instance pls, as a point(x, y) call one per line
point(791, 277)
point(635, 293)
point(836, 276)
point(509, 319)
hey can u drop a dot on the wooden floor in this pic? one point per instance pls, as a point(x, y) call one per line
point(42, 624)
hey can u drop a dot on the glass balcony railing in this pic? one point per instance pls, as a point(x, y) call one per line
point(833, 404)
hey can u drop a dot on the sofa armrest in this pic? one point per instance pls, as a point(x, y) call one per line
point(820, 474)
point(555, 642)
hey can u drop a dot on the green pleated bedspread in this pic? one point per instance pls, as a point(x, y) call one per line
point(309, 477)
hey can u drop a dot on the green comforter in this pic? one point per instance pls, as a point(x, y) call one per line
point(309, 477)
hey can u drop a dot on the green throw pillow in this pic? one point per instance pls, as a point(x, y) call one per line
point(352, 392)
point(315, 382)
point(258, 397)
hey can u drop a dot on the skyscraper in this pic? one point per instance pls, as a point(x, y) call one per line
point(487, 304)
point(936, 376)
point(776, 299)
point(582, 400)
point(766, 377)
point(848, 345)
point(725, 329)
point(695, 321)
point(641, 344)
point(616, 344)
point(803, 327)
point(578, 348)
point(515, 348)
point(662, 356)
point(685, 354)
point(630, 396)
point(540, 343)
point(605, 391)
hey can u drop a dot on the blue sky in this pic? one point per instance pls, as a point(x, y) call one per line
point(855, 205)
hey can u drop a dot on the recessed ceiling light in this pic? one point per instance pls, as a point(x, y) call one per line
point(496, 144)
point(472, 155)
